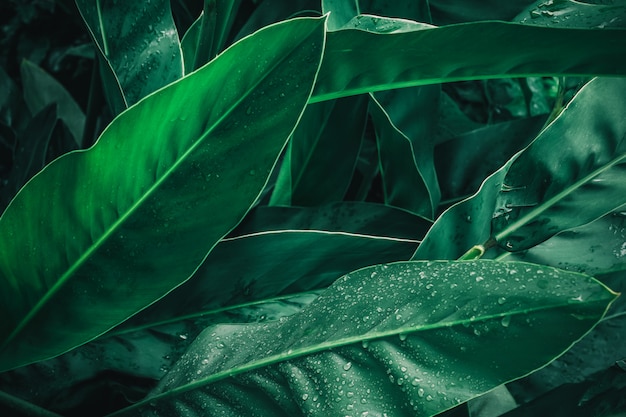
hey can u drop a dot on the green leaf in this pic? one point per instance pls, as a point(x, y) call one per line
point(134, 216)
point(447, 12)
point(322, 153)
point(405, 149)
point(596, 248)
point(139, 42)
point(482, 50)
point(42, 90)
point(400, 339)
point(463, 225)
point(44, 139)
point(207, 35)
point(464, 161)
point(574, 14)
point(571, 174)
point(303, 251)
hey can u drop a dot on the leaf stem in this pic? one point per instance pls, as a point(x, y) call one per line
point(477, 251)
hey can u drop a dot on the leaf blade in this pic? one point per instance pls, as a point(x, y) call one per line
point(118, 199)
point(393, 346)
point(482, 51)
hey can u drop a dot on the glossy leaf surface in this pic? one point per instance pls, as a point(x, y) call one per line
point(573, 172)
point(482, 50)
point(139, 42)
point(463, 225)
point(400, 339)
point(152, 201)
point(575, 14)
point(286, 251)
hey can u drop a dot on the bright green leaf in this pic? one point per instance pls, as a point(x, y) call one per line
point(405, 339)
point(134, 216)
point(573, 173)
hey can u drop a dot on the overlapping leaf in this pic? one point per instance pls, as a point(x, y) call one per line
point(571, 174)
point(400, 339)
point(321, 155)
point(138, 42)
point(481, 50)
point(134, 216)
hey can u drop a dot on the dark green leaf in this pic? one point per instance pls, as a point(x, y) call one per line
point(482, 50)
point(135, 215)
point(207, 35)
point(574, 14)
point(571, 174)
point(404, 121)
point(400, 339)
point(463, 225)
point(446, 12)
point(285, 260)
point(596, 248)
point(139, 42)
point(463, 162)
point(320, 158)
point(41, 90)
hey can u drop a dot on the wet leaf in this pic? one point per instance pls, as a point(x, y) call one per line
point(400, 339)
point(571, 174)
point(138, 42)
point(134, 206)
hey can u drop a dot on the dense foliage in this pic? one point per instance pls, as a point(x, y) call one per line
point(329, 208)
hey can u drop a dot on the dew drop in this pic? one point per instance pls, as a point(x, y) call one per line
point(420, 392)
point(305, 397)
point(501, 300)
point(347, 366)
point(402, 337)
point(506, 320)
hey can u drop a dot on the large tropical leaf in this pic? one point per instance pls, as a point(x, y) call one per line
point(419, 55)
point(573, 14)
point(134, 216)
point(573, 173)
point(138, 42)
point(404, 339)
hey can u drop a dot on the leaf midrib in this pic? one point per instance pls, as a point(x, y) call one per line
point(98, 243)
point(341, 343)
point(549, 203)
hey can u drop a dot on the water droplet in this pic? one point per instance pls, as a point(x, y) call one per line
point(506, 320)
point(479, 278)
point(183, 336)
point(501, 300)
point(282, 95)
point(429, 397)
point(205, 361)
point(420, 392)
point(305, 397)
point(249, 111)
point(365, 344)
point(402, 337)
point(347, 366)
